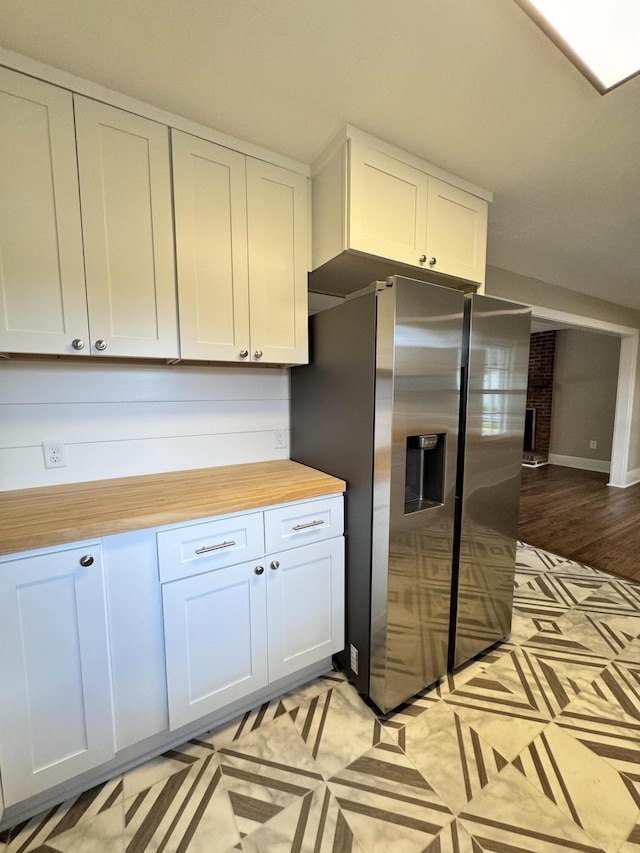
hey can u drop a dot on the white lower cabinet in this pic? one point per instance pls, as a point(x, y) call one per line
point(111, 644)
point(305, 606)
point(55, 686)
point(136, 642)
point(237, 628)
point(215, 640)
point(232, 631)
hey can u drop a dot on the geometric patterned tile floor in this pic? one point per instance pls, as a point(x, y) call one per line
point(534, 746)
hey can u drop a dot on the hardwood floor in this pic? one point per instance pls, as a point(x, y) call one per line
point(575, 514)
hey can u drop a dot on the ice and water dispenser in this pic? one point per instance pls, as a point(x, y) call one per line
point(424, 476)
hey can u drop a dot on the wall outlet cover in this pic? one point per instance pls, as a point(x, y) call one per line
point(55, 454)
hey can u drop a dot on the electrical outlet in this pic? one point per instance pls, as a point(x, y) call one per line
point(593, 445)
point(55, 455)
point(280, 438)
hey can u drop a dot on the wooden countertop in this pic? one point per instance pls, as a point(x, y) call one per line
point(55, 515)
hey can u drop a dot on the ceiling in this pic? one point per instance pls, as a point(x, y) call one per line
point(469, 85)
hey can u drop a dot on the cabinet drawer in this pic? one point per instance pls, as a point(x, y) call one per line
point(199, 548)
point(303, 523)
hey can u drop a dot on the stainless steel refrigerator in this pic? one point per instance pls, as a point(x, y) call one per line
point(415, 395)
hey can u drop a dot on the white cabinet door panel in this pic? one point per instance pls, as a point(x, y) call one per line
point(42, 291)
point(125, 189)
point(388, 206)
point(305, 602)
point(55, 714)
point(277, 228)
point(457, 231)
point(215, 640)
point(210, 198)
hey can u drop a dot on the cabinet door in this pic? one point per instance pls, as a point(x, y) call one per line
point(388, 206)
point(215, 640)
point(277, 223)
point(210, 198)
point(456, 231)
point(305, 605)
point(55, 709)
point(125, 189)
point(42, 293)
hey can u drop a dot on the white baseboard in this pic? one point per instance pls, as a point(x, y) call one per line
point(602, 465)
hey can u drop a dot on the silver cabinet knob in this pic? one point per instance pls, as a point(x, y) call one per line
point(257, 353)
point(101, 345)
point(423, 259)
point(274, 565)
point(258, 570)
point(77, 343)
point(243, 353)
point(432, 262)
point(87, 560)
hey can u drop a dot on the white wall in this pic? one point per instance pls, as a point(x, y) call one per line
point(119, 420)
point(584, 398)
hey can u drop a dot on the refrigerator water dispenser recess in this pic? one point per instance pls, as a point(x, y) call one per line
point(424, 475)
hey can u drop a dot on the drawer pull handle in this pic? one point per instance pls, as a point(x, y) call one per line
point(308, 524)
point(205, 549)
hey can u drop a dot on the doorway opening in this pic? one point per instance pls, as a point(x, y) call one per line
point(618, 475)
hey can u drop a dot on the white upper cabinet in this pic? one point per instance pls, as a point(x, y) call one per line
point(87, 236)
point(456, 241)
point(210, 193)
point(86, 239)
point(125, 190)
point(42, 302)
point(241, 242)
point(388, 205)
point(277, 228)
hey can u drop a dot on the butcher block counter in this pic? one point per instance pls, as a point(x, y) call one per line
point(56, 515)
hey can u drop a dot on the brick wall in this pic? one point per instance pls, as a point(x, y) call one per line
point(540, 386)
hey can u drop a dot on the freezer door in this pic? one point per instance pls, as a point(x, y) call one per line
point(495, 406)
point(417, 392)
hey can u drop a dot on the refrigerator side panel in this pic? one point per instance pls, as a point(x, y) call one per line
point(418, 360)
point(332, 430)
point(497, 387)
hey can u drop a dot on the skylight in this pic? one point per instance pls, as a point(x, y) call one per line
point(600, 37)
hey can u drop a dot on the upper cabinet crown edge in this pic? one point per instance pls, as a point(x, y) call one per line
point(62, 79)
